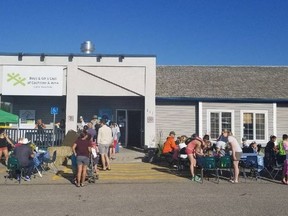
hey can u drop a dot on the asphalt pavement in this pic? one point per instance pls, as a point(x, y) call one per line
point(133, 187)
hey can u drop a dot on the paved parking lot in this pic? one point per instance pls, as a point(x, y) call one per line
point(128, 167)
point(136, 188)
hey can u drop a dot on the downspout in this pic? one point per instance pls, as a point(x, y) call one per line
point(200, 119)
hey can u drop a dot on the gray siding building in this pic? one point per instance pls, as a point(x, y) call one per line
point(249, 101)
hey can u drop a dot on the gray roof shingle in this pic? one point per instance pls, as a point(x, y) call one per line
point(226, 82)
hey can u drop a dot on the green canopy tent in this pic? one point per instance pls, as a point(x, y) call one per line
point(6, 117)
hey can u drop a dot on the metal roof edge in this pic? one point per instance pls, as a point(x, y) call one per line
point(232, 100)
point(73, 54)
point(225, 66)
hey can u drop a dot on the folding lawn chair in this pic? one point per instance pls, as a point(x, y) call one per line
point(251, 163)
point(14, 169)
point(50, 162)
point(224, 163)
point(209, 164)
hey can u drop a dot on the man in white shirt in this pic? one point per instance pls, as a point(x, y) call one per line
point(104, 140)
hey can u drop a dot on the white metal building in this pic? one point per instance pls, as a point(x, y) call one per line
point(121, 87)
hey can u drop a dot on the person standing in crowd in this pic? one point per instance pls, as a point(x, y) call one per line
point(24, 154)
point(94, 121)
point(4, 142)
point(104, 140)
point(81, 124)
point(236, 156)
point(91, 130)
point(81, 149)
point(116, 135)
point(62, 124)
point(40, 125)
point(96, 127)
point(193, 150)
point(95, 156)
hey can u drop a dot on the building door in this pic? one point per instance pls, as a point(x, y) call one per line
point(122, 123)
point(135, 129)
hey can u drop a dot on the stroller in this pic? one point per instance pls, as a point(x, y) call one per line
point(183, 161)
point(91, 176)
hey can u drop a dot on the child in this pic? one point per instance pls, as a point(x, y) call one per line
point(95, 153)
point(220, 149)
point(244, 143)
point(253, 145)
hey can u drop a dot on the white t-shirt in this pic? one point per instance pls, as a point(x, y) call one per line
point(182, 145)
point(234, 144)
point(104, 135)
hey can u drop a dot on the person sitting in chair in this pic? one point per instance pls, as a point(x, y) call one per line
point(25, 155)
point(220, 149)
point(270, 152)
point(281, 154)
point(253, 146)
point(170, 147)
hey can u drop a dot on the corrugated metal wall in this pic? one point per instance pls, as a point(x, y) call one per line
point(179, 117)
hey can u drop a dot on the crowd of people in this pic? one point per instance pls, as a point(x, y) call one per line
point(97, 142)
point(195, 148)
point(22, 151)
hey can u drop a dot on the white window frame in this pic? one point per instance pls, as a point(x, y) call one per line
point(265, 112)
point(209, 111)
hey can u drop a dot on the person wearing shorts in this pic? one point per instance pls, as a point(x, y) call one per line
point(81, 149)
point(4, 142)
point(104, 148)
point(104, 140)
point(236, 156)
point(193, 150)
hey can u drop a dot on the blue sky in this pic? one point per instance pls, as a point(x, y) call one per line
point(178, 32)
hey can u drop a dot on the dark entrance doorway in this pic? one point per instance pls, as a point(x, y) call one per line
point(135, 129)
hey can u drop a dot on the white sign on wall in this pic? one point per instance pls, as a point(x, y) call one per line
point(32, 80)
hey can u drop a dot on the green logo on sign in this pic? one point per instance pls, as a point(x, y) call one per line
point(16, 79)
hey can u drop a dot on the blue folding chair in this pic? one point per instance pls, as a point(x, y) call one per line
point(251, 163)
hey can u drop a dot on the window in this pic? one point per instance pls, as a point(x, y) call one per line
point(254, 125)
point(219, 120)
point(6, 106)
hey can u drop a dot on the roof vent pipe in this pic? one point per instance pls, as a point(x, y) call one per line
point(87, 47)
